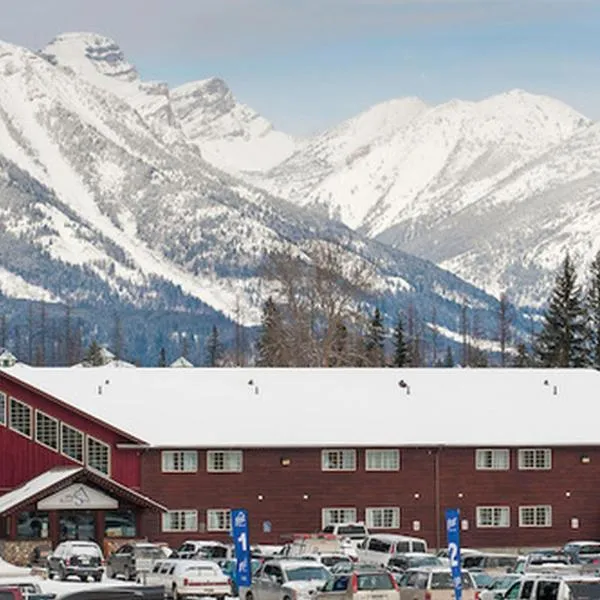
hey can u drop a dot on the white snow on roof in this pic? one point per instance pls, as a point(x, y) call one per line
point(182, 361)
point(333, 407)
point(35, 486)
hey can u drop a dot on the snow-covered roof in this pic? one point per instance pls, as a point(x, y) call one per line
point(36, 486)
point(235, 407)
point(182, 361)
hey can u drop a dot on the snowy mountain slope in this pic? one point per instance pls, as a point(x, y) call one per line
point(514, 237)
point(432, 164)
point(96, 208)
point(230, 135)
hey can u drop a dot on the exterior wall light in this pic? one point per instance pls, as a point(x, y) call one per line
point(305, 497)
point(285, 462)
point(260, 497)
point(585, 459)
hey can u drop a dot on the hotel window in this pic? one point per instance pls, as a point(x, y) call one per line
point(46, 430)
point(493, 516)
point(224, 461)
point(179, 461)
point(333, 516)
point(180, 520)
point(535, 516)
point(383, 460)
point(338, 460)
point(492, 460)
point(383, 518)
point(98, 455)
point(218, 519)
point(71, 442)
point(20, 417)
point(2, 408)
point(535, 459)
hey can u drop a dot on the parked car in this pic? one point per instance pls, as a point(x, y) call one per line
point(203, 549)
point(186, 577)
point(378, 548)
point(117, 593)
point(583, 552)
point(30, 590)
point(286, 580)
point(79, 558)
point(491, 563)
point(434, 584)
point(328, 559)
point(349, 567)
point(131, 560)
point(228, 565)
point(498, 586)
point(547, 586)
point(10, 593)
point(360, 585)
point(354, 531)
point(318, 543)
point(409, 560)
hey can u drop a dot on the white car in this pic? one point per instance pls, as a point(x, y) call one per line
point(286, 580)
point(182, 578)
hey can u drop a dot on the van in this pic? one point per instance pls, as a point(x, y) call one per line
point(376, 549)
point(353, 531)
point(490, 563)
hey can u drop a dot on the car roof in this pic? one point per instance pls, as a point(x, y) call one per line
point(392, 537)
point(293, 563)
point(582, 543)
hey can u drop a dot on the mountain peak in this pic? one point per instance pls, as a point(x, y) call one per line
point(84, 52)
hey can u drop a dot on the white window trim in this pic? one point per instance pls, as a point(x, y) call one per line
point(492, 468)
point(548, 508)
point(478, 518)
point(325, 523)
point(87, 458)
point(57, 423)
point(210, 453)
point(175, 530)
point(522, 467)
point(83, 444)
point(371, 451)
point(324, 453)
point(4, 411)
point(165, 453)
point(216, 529)
point(10, 425)
point(370, 512)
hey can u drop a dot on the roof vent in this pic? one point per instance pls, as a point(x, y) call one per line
point(404, 386)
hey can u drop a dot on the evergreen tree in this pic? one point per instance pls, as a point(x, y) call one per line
point(522, 360)
point(448, 359)
point(118, 337)
point(564, 337)
point(162, 358)
point(400, 358)
point(593, 306)
point(214, 349)
point(374, 344)
point(93, 356)
point(340, 346)
point(271, 341)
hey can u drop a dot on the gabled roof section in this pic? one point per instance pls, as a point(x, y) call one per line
point(352, 408)
point(58, 478)
point(19, 375)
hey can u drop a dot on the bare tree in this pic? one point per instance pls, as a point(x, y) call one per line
point(504, 326)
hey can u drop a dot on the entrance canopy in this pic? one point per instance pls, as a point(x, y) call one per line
point(73, 488)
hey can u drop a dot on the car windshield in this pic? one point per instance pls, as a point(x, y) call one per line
point(482, 579)
point(307, 573)
point(424, 561)
point(374, 581)
point(355, 532)
point(148, 552)
point(329, 561)
point(443, 581)
point(503, 583)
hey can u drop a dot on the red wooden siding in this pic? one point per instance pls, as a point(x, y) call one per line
point(31, 459)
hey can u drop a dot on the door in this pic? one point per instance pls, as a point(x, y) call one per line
point(79, 525)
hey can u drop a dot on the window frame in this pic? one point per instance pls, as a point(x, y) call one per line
point(370, 452)
point(342, 451)
point(535, 507)
point(218, 529)
point(3, 409)
point(521, 459)
point(62, 426)
point(478, 519)
point(182, 511)
point(37, 428)
point(326, 509)
point(210, 467)
point(479, 452)
point(165, 453)
point(371, 511)
point(11, 399)
point(91, 438)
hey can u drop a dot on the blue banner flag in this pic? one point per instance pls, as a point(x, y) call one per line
point(239, 531)
point(453, 530)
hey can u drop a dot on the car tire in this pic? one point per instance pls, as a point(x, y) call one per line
point(174, 593)
point(62, 574)
point(249, 596)
point(98, 578)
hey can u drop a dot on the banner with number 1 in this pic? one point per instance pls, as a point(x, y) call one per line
point(239, 532)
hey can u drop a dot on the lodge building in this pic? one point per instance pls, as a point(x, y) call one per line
point(163, 454)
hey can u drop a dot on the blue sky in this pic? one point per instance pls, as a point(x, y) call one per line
point(309, 64)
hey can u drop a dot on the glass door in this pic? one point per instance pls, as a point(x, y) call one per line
point(80, 525)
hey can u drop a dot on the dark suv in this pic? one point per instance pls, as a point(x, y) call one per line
point(132, 560)
point(82, 559)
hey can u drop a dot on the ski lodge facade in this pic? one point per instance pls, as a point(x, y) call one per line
point(164, 454)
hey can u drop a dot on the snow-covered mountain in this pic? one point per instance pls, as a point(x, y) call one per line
point(98, 208)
